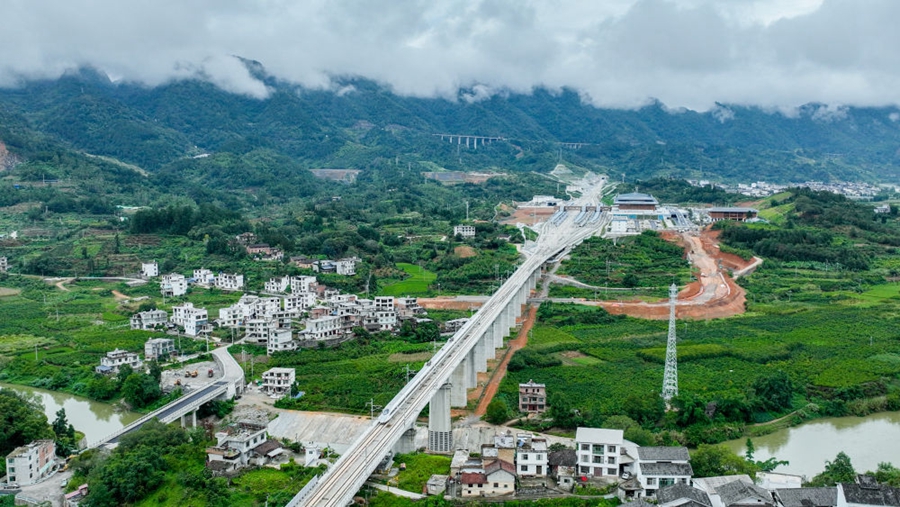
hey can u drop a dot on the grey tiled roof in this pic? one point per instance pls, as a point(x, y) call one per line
point(666, 469)
point(871, 495)
point(679, 491)
point(807, 497)
point(566, 457)
point(734, 492)
point(663, 453)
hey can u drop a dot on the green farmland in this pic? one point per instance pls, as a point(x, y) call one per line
point(417, 284)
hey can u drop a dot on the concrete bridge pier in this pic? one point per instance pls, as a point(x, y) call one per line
point(481, 352)
point(440, 432)
point(458, 386)
point(498, 333)
point(193, 419)
point(407, 442)
point(503, 319)
point(471, 372)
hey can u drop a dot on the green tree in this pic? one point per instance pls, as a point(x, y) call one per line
point(140, 390)
point(886, 473)
point(774, 392)
point(65, 434)
point(839, 470)
point(713, 460)
point(22, 420)
point(498, 411)
point(155, 371)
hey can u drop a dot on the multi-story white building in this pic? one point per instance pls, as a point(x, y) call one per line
point(384, 302)
point(531, 455)
point(346, 267)
point(409, 307)
point(173, 285)
point(149, 269)
point(465, 231)
point(229, 281)
point(259, 330)
point(278, 285)
point(322, 328)
point(158, 348)
point(231, 316)
point(278, 380)
point(116, 359)
point(149, 319)
point(204, 277)
point(387, 319)
point(299, 302)
point(235, 444)
point(280, 340)
point(598, 451)
point(4, 265)
point(303, 284)
point(193, 320)
point(30, 463)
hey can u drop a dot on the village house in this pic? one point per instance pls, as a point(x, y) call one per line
point(452, 326)
point(150, 319)
point(532, 397)
point(682, 495)
point(563, 467)
point(149, 269)
point(436, 484)
point(246, 238)
point(531, 455)
point(298, 302)
point(302, 262)
point(203, 277)
point(229, 281)
point(496, 479)
point(303, 284)
point(464, 231)
point(74, 498)
point(278, 380)
point(193, 320)
point(30, 463)
point(234, 446)
point(714, 486)
point(806, 497)
point(279, 341)
point(156, 349)
point(173, 285)
point(258, 249)
point(115, 359)
point(277, 285)
point(598, 451)
point(866, 492)
point(658, 467)
point(4, 265)
point(322, 328)
point(408, 308)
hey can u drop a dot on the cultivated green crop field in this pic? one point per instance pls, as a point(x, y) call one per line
point(417, 283)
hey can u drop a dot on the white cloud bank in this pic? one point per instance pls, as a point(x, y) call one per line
point(617, 53)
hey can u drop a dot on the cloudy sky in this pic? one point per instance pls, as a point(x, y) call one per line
point(618, 53)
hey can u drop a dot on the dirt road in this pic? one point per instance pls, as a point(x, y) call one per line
point(519, 342)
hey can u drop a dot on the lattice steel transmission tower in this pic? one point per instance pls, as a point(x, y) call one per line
point(670, 376)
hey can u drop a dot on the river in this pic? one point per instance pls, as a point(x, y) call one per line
point(93, 418)
point(867, 440)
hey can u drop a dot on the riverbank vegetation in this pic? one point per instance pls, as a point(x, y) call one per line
point(162, 465)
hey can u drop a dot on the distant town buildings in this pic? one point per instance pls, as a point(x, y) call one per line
point(158, 349)
point(465, 231)
point(173, 285)
point(116, 359)
point(532, 397)
point(851, 190)
point(30, 463)
point(149, 269)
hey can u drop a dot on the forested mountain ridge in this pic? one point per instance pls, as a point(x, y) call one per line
point(364, 125)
